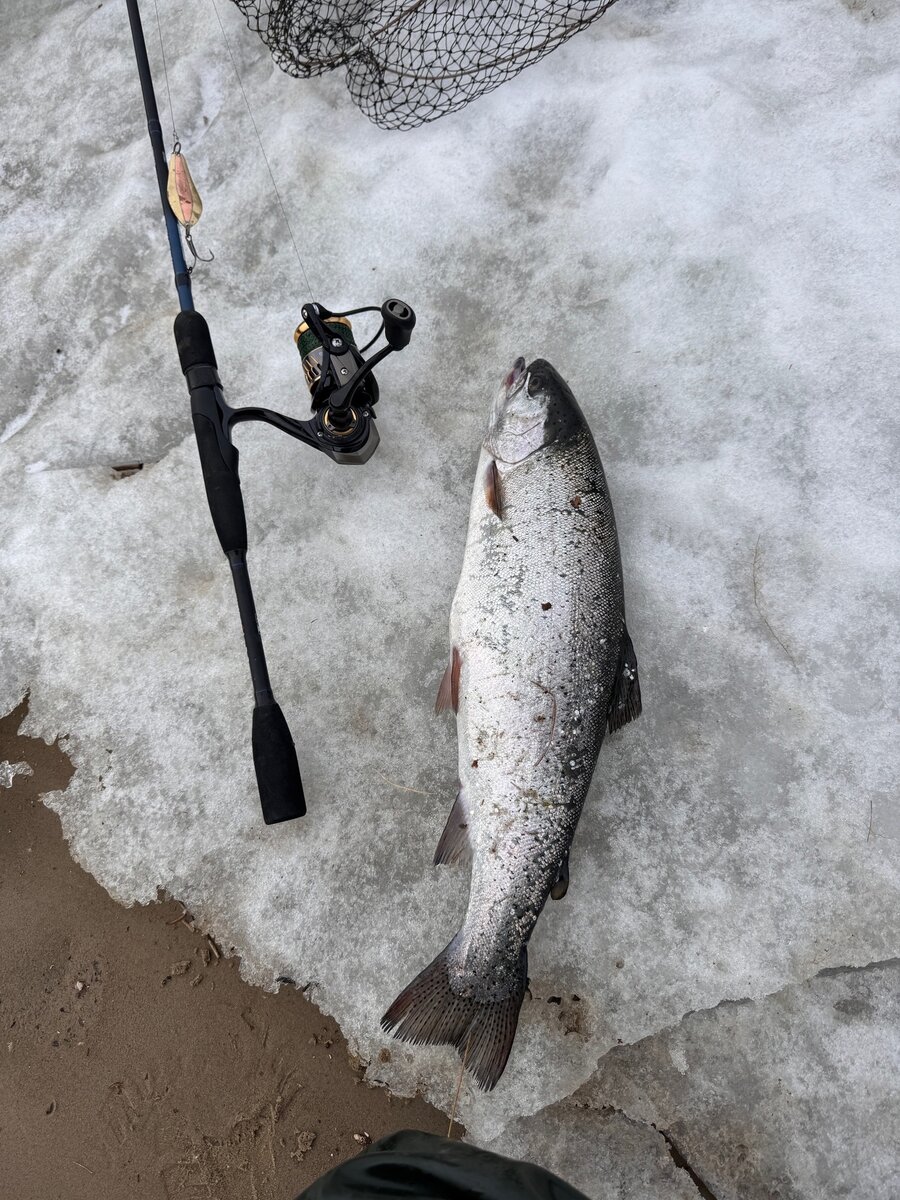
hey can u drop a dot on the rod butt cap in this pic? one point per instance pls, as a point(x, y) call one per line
point(277, 770)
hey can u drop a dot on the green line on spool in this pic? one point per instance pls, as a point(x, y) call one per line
point(307, 340)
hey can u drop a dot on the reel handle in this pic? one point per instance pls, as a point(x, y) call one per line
point(399, 322)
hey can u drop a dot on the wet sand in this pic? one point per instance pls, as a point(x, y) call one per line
point(134, 1061)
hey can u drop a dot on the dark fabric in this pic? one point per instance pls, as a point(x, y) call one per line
point(412, 1164)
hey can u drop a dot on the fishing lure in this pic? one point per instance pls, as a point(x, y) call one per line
point(184, 200)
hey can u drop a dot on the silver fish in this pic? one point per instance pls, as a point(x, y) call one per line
point(541, 666)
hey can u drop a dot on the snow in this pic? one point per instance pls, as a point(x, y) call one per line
point(691, 210)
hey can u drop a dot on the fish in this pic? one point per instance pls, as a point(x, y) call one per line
point(541, 667)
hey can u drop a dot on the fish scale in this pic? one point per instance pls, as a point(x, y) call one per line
point(541, 665)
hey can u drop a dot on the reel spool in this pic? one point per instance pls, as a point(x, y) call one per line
point(310, 347)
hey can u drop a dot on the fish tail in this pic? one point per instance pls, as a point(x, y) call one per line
point(429, 1012)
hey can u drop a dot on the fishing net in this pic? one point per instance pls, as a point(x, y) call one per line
point(412, 61)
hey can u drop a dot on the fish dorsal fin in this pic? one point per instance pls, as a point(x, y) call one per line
point(184, 199)
point(454, 845)
point(448, 692)
point(625, 701)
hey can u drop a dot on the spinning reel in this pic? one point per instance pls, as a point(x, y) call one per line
point(342, 387)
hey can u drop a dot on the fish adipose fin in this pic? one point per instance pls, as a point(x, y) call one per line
point(625, 702)
point(454, 845)
point(448, 692)
point(430, 1013)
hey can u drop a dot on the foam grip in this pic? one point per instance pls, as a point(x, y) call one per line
point(277, 772)
point(223, 485)
point(195, 348)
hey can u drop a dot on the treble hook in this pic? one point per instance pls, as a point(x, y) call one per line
point(193, 249)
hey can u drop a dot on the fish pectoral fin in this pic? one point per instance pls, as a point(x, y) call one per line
point(492, 489)
point(448, 692)
point(454, 845)
point(561, 886)
point(625, 702)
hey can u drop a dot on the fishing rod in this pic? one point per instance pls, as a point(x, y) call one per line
point(343, 392)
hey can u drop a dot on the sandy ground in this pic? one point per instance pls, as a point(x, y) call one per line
point(135, 1061)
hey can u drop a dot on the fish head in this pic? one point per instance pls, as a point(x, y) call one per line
point(534, 408)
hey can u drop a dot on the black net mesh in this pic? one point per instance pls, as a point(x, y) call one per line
point(408, 62)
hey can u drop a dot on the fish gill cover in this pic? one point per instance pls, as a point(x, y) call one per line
point(410, 61)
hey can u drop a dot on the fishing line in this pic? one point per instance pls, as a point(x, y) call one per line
point(262, 148)
point(162, 50)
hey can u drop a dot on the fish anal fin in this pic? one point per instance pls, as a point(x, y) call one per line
point(625, 701)
point(429, 1012)
point(454, 845)
point(561, 886)
point(448, 692)
point(492, 489)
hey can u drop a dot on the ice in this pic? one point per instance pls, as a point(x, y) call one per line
point(691, 211)
point(9, 770)
point(602, 1153)
point(794, 1096)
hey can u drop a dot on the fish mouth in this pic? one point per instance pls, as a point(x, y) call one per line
point(515, 378)
point(510, 385)
point(533, 408)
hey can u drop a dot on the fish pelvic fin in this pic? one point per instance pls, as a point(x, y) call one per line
point(454, 845)
point(625, 702)
point(448, 692)
point(429, 1012)
point(561, 885)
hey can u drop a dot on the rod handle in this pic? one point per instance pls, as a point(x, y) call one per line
point(277, 771)
point(192, 337)
point(218, 456)
point(220, 475)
